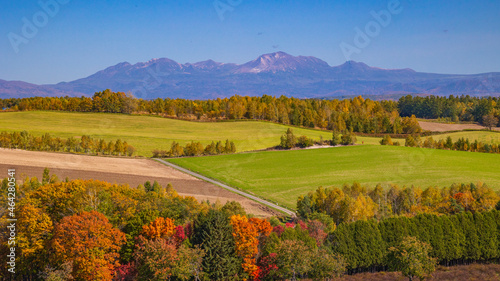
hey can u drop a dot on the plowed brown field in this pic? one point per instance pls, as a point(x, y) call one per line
point(443, 127)
point(120, 171)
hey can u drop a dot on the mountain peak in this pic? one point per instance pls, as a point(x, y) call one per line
point(276, 56)
point(207, 64)
point(281, 62)
point(354, 65)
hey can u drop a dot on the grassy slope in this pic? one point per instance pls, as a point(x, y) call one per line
point(146, 133)
point(284, 175)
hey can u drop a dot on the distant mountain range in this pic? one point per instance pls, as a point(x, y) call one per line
point(273, 74)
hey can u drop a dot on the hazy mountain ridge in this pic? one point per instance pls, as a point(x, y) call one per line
point(275, 74)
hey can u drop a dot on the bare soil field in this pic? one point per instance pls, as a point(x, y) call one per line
point(121, 171)
point(482, 272)
point(443, 127)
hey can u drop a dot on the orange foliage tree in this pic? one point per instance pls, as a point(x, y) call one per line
point(91, 243)
point(465, 200)
point(246, 235)
point(161, 227)
point(263, 227)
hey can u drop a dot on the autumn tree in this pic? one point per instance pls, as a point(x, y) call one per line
point(176, 149)
point(304, 141)
point(118, 149)
point(411, 257)
point(410, 125)
point(210, 149)
point(219, 147)
point(410, 141)
point(348, 138)
point(246, 234)
point(55, 274)
point(227, 147)
point(293, 259)
point(189, 263)
point(35, 228)
point(386, 140)
point(326, 266)
point(335, 138)
point(90, 242)
point(490, 121)
point(288, 140)
point(233, 208)
point(317, 231)
point(155, 259)
point(159, 228)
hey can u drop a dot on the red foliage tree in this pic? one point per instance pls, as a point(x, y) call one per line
point(278, 229)
point(267, 265)
point(126, 272)
point(317, 231)
point(179, 235)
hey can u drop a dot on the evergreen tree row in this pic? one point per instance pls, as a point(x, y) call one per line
point(452, 108)
point(455, 239)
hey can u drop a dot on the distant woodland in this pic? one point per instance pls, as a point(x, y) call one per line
point(485, 110)
point(356, 114)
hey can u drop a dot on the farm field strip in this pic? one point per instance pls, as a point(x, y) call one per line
point(282, 176)
point(444, 127)
point(120, 171)
point(147, 133)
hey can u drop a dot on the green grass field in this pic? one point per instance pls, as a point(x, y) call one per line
point(282, 176)
point(146, 133)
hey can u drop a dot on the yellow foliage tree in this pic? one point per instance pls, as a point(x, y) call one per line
point(35, 226)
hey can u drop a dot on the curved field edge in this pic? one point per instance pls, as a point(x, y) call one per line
point(147, 133)
point(282, 176)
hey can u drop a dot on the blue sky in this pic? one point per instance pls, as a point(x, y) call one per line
point(83, 37)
